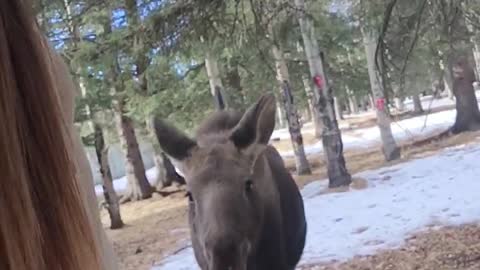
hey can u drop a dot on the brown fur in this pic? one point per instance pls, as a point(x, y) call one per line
point(246, 211)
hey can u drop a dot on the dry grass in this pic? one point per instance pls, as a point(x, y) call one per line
point(158, 226)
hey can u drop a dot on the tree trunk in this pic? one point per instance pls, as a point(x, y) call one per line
point(475, 41)
point(417, 104)
point(338, 108)
point(109, 193)
point(138, 186)
point(307, 84)
point(317, 120)
point(166, 172)
point(302, 165)
point(280, 114)
point(398, 98)
point(390, 149)
point(352, 101)
point(331, 139)
point(448, 82)
point(476, 56)
point(438, 85)
point(235, 89)
point(216, 86)
point(468, 115)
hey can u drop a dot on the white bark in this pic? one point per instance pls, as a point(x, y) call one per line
point(338, 108)
point(215, 81)
point(390, 148)
point(417, 104)
point(283, 77)
point(332, 141)
point(352, 101)
point(448, 86)
point(476, 56)
point(307, 84)
point(280, 113)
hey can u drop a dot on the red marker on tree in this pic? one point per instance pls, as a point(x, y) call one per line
point(318, 81)
point(380, 102)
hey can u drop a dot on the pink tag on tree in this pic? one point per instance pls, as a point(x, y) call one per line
point(380, 104)
point(318, 81)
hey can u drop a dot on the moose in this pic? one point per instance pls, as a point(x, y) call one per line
point(245, 210)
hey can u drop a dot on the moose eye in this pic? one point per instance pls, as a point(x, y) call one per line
point(248, 185)
point(189, 196)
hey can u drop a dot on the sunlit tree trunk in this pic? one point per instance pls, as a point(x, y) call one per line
point(307, 84)
point(167, 175)
point(468, 115)
point(338, 108)
point(302, 165)
point(417, 104)
point(332, 140)
point(280, 113)
point(352, 101)
point(138, 187)
point(216, 86)
point(111, 198)
point(390, 149)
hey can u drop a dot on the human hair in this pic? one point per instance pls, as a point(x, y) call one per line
point(43, 223)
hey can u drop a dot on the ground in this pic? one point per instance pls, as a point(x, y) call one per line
point(409, 199)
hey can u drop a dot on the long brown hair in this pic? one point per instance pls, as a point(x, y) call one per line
point(43, 224)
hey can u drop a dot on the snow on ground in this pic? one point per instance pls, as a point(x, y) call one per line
point(400, 200)
point(402, 130)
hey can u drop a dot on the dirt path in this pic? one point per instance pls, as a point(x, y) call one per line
point(158, 227)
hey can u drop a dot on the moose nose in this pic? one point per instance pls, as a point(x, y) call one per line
point(223, 253)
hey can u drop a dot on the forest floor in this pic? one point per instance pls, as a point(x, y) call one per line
point(157, 232)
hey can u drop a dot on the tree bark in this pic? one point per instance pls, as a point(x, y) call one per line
point(216, 87)
point(476, 56)
point(448, 82)
point(235, 89)
point(417, 104)
point(331, 139)
point(468, 115)
point(352, 101)
point(167, 175)
point(398, 98)
point(390, 149)
point(338, 108)
point(280, 114)
point(307, 84)
point(138, 186)
point(438, 85)
point(302, 165)
point(317, 119)
point(111, 198)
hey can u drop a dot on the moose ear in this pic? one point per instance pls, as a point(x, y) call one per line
point(257, 124)
point(175, 144)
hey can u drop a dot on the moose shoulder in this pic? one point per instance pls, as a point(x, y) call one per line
point(245, 210)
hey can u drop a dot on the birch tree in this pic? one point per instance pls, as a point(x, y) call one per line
point(332, 140)
point(390, 149)
point(301, 162)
